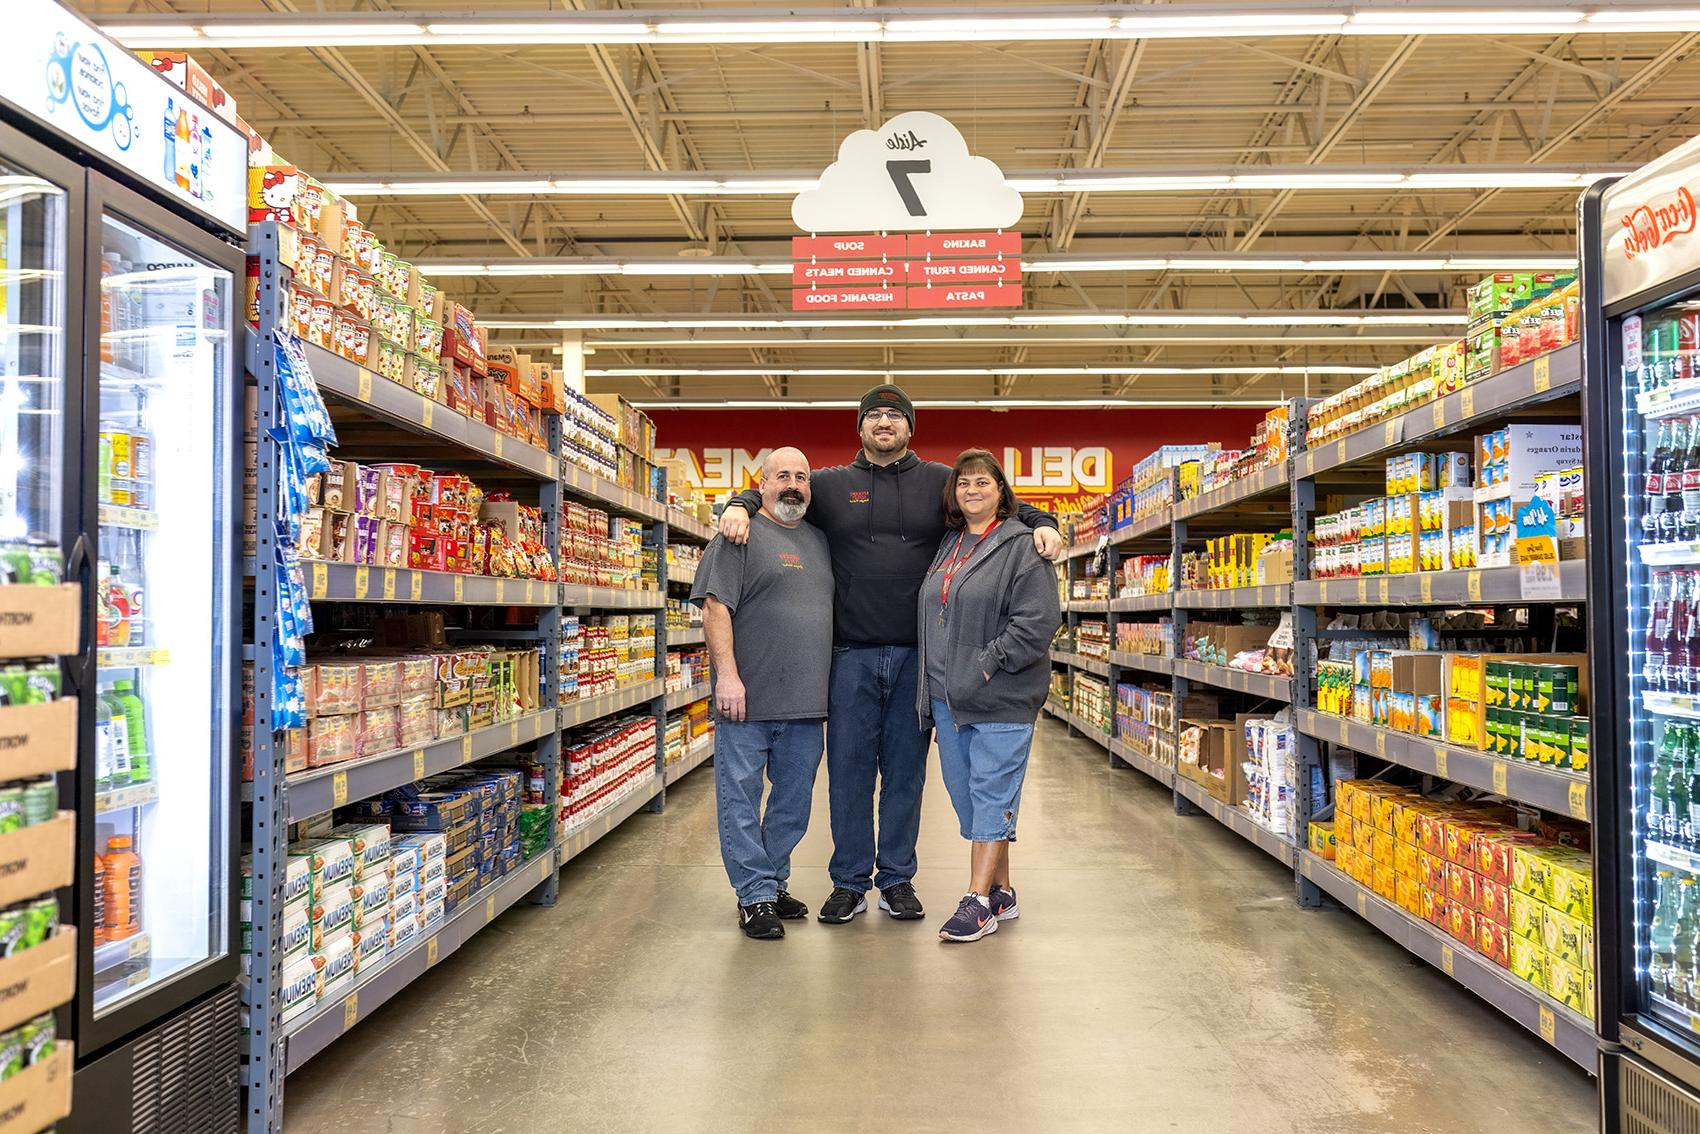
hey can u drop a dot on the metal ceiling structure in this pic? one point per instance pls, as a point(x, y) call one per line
point(1533, 91)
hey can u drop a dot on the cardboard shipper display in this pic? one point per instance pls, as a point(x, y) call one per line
point(38, 740)
point(37, 1097)
point(37, 860)
point(38, 979)
point(38, 621)
point(1220, 769)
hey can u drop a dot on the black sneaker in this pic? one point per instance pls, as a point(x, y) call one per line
point(789, 908)
point(760, 921)
point(842, 905)
point(900, 902)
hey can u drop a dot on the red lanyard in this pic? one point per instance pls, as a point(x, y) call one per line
point(956, 562)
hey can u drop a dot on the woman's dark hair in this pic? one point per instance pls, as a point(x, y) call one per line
point(976, 460)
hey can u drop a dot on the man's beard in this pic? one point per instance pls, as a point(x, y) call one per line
point(790, 507)
point(885, 444)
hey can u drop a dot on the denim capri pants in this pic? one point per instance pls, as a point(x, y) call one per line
point(983, 766)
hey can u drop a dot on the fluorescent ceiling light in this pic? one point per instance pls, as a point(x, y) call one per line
point(984, 403)
point(896, 25)
point(1265, 179)
point(964, 372)
point(1023, 319)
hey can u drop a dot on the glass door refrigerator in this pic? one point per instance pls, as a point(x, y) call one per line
point(122, 211)
point(1641, 344)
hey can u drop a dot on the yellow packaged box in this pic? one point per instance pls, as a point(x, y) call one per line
point(1346, 858)
point(1568, 984)
point(1566, 938)
point(1382, 879)
point(1407, 894)
point(1364, 870)
point(1363, 837)
point(1405, 860)
point(1342, 825)
point(1570, 885)
point(1525, 914)
point(1530, 866)
point(1322, 840)
point(1529, 962)
point(1381, 849)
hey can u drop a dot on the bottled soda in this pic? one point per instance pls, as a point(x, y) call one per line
point(1670, 513)
point(1681, 829)
point(1688, 526)
point(1664, 759)
point(1687, 928)
point(1653, 488)
point(1662, 933)
point(1658, 627)
point(1679, 650)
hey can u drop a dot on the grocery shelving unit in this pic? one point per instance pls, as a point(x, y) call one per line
point(679, 584)
point(389, 417)
point(1287, 495)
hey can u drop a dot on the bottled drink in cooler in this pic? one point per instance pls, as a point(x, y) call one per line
point(1688, 527)
point(123, 888)
point(117, 738)
point(136, 731)
point(103, 728)
point(1681, 829)
point(141, 470)
point(1679, 651)
point(1670, 512)
point(1662, 588)
point(101, 933)
point(1653, 491)
point(1680, 981)
point(1662, 933)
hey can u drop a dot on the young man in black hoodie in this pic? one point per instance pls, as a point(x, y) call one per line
point(883, 515)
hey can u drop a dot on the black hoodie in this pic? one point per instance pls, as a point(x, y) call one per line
point(884, 523)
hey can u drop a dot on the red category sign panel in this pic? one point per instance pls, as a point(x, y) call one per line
point(847, 272)
point(963, 244)
point(1006, 270)
point(965, 295)
point(848, 298)
point(846, 247)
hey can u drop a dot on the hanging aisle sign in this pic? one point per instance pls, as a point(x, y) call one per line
point(913, 175)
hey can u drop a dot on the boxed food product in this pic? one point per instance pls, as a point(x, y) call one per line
point(333, 912)
point(302, 985)
point(336, 964)
point(371, 944)
point(371, 842)
point(329, 861)
point(372, 900)
point(1528, 961)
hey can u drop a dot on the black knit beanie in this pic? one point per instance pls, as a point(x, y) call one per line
point(886, 397)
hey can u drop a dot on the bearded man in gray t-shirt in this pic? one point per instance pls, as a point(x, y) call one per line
point(767, 615)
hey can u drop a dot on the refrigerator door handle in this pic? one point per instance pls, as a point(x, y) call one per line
point(77, 570)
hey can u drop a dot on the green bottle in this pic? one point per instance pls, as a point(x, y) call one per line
point(1661, 934)
point(118, 738)
point(1679, 829)
point(136, 731)
point(1687, 927)
point(1664, 757)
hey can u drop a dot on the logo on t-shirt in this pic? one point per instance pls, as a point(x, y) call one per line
point(791, 559)
point(860, 496)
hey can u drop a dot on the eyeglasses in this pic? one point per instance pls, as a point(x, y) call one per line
point(884, 415)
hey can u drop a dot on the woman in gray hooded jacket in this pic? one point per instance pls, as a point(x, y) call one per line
point(988, 611)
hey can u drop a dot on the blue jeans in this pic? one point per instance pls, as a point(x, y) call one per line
point(756, 848)
point(983, 767)
point(873, 730)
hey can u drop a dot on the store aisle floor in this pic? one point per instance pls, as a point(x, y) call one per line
point(1160, 978)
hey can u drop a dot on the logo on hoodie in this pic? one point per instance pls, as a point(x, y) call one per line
point(791, 560)
point(859, 496)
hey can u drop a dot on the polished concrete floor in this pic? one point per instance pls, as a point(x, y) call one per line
point(1160, 978)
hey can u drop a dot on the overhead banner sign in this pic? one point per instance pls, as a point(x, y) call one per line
point(913, 175)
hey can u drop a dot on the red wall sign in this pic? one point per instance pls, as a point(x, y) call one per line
point(846, 247)
point(1054, 458)
point(1007, 270)
point(848, 298)
point(848, 271)
point(964, 295)
point(964, 244)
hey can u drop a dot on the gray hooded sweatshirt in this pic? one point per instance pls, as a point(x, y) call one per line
point(1004, 611)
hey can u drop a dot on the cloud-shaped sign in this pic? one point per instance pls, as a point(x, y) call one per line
point(912, 174)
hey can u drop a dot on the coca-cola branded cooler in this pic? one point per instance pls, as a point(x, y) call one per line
point(1641, 345)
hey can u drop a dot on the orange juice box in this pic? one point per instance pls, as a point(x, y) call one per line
point(1405, 860)
point(1494, 900)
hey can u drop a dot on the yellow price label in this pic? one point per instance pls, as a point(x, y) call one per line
point(460, 587)
point(466, 748)
point(1345, 732)
point(501, 590)
point(1340, 450)
point(543, 869)
point(496, 447)
point(550, 468)
point(1363, 590)
point(1310, 463)
point(1467, 401)
point(363, 386)
point(389, 584)
point(1322, 592)
point(1549, 1025)
point(529, 594)
point(1500, 775)
point(1425, 587)
point(321, 580)
point(1304, 865)
point(431, 950)
point(1543, 374)
point(1579, 801)
point(427, 408)
point(490, 908)
point(418, 763)
point(1473, 586)
point(339, 789)
point(350, 1011)
point(415, 585)
point(362, 581)
point(1381, 591)
point(1363, 904)
point(1381, 744)
point(1390, 432)
point(1446, 959)
point(1438, 413)
point(513, 733)
point(1440, 763)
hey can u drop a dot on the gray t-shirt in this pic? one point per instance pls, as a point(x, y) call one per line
point(779, 589)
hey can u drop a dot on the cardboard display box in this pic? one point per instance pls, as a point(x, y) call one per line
point(38, 740)
point(38, 1096)
point(1218, 770)
point(38, 621)
point(37, 860)
point(38, 979)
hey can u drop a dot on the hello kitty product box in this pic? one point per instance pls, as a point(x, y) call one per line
point(274, 194)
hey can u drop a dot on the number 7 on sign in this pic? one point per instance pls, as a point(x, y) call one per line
point(901, 171)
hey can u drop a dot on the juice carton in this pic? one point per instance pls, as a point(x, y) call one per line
point(1567, 984)
point(1566, 938)
point(1570, 882)
point(1495, 901)
point(1493, 942)
point(1528, 962)
point(1525, 917)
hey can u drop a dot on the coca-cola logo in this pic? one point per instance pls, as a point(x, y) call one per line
point(1654, 225)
